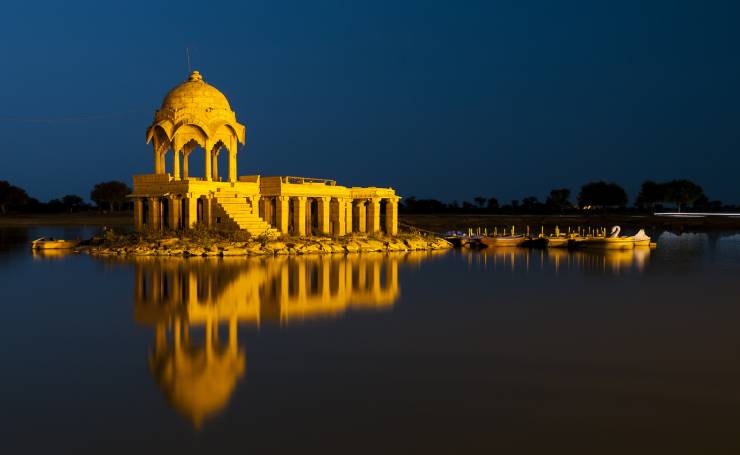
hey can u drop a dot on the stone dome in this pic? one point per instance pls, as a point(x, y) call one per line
point(195, 93)
point(194, 112)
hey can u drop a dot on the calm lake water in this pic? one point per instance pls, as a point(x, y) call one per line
point(513, 351)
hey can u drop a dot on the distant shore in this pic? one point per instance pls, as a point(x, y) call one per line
point(461, 222)
point(430, 222)
point(118, 219)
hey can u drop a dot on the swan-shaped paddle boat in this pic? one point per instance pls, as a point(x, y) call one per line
point(614, 241)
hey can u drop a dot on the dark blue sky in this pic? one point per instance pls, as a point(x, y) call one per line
point(436, 99)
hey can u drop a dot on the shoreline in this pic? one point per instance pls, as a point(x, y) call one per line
point(123, 245)
point(431, 222)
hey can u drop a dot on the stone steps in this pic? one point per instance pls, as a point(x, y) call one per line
point(241, 212)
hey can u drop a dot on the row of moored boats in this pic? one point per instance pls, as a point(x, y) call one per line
point(598, 238)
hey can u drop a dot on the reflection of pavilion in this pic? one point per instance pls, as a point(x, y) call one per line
point(181, 296)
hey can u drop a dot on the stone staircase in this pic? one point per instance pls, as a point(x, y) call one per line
point(240, 212)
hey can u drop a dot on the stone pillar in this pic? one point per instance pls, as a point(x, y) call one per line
point(323, 211)
point(157, 162)
point(281, 213)
point(338, 216)
point(232, 166)
point(190, 217)
point(348, 216)
point(391, 216)
point(208, 211)
point(154, 213)
point(175, 206)
point(185, 157)
point(299, 212)
point(254, 201)
point(139, 214)
point(207, 174)
point(266, 212)
point(214, 161)
point(361, 216)
point(373, 216)
point(176, 164)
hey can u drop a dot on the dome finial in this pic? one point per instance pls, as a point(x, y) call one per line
point(195, 77)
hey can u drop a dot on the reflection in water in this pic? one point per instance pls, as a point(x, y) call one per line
point(559, 259)
point(180, 297)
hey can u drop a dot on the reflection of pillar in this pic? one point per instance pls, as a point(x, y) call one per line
point(232, 166)
point(391, 216)
point(362, 275)
point(324, 277)
point(138, 213)
point(190, 217)
point(360, 216)
point(391, 275)
point(323, 210)
point(301, 281)
point(176, 164)
point(281, 213)
point(299, 212)
point(373, 216)
point(232, 334)
point(284, 291)
point(375, 278)
point(175, 205)
point(154, 209)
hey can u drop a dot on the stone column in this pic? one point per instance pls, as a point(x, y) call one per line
point(299, 212)
point(281, 213)
point(232, 166)
point(208, 211)
point(139, 214)
point(338, 216)
point(323, 211)
point(254, 201)
point(175, 206)
point(157, 161)
point(348, 216)
point(154, 213)
point(190, 218)
point(209, 168)
point(176, 164)
point(373, 216)
point(361, 215)
point(185, 157)
point(266, 213)
point(214, 161)
point(391, 216)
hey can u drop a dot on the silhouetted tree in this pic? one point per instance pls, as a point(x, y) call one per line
point(602, 194)
point(682, 192)
point(72, 203)
point(558, 199)
point(531, 204)
point(113, 194)
point(11, 197)
point(480, 201)
point(651, 193)
point(492, 204)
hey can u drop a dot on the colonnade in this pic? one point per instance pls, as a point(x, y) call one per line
point(337, 216)
point(293, 215)
point(210, 172)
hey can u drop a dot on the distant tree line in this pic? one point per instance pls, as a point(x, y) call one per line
point(593, 196)
point(106, 196)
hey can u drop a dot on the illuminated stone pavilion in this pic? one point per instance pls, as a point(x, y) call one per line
point(196, 116)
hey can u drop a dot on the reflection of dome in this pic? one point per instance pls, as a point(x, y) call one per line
point(196, 383)
point(194, 94)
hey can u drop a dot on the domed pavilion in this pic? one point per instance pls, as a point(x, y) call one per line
point(197, 117)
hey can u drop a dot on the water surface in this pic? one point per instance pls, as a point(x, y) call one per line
point(511, 350)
